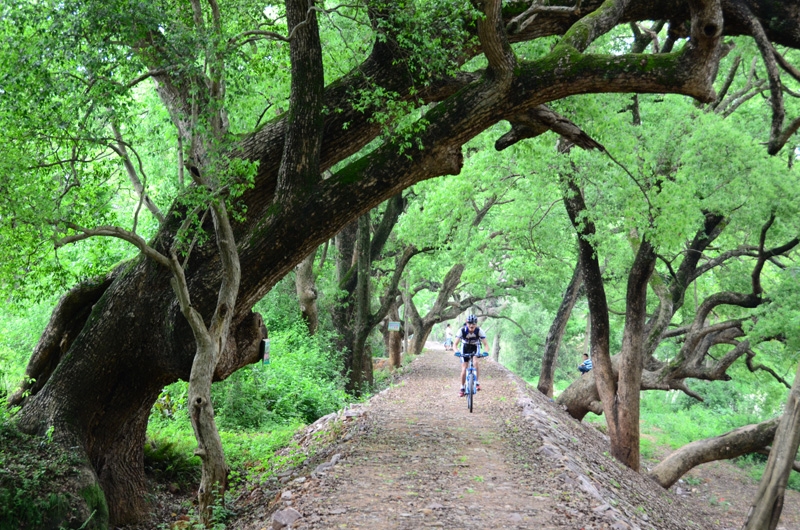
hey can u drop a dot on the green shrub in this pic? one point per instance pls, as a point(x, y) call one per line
point(258, 409)
point(302, 383)
point(168, 461)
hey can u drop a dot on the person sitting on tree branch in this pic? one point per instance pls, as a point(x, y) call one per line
point(586, 365)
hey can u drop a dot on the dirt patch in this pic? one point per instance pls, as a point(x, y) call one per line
point(414, 457)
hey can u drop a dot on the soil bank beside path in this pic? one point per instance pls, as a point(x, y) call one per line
point(414, 457)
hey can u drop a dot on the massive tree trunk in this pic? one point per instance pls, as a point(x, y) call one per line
point(766, 510)
point(603, 373)
point(556, 333)
point(344, 311)
point(361, 366)
point(626, 407)
point(135, 340)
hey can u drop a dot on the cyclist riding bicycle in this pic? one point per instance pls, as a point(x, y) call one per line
point(471, 335)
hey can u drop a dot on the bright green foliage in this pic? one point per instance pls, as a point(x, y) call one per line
point(301, 383)
point(782, 315)
point(426, 30)
point(257, 409)
point(68, 76)
point(19, 333)
point(279, 307)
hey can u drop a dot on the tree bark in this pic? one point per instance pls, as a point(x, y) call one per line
point(361, 367)
point(306, 288)
point(392, 340)
point(768, 503)
point(556, 333)
point(496, 347)
point(603, 373)
point(210, 343)
point(354, 260)
point(626, 407)
point(300, 163)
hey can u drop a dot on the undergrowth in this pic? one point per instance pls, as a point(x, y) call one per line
point(35, 478)
point(258, 409)
point(672, 419)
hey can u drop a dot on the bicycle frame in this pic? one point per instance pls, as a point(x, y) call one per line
point(469, 384)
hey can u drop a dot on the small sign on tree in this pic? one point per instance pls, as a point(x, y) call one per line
point(393, 326)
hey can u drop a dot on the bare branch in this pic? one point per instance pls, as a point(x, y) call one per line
point(677, 332)
point(728, 82)
point(257, 34)
point(521, 329)
point(756, 275)
point(777, 136)
point(764, 255)
point(152, 73)
point(755, 367)
point(766, 451)
point(121, 150)
point(522, 21)
point(744, 250)
point(541, 119)
point(113, 231)
point(786, 65)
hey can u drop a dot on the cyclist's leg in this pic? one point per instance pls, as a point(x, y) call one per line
point(464, 365)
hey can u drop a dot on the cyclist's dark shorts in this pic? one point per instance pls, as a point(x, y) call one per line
point(469, 350)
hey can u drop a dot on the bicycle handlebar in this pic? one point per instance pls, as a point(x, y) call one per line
point(459, 354)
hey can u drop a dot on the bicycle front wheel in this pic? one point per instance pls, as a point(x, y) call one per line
point(470, 391)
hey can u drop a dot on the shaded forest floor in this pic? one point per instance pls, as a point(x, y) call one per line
point(414, 457)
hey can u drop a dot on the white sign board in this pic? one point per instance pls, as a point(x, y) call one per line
point(394, 326)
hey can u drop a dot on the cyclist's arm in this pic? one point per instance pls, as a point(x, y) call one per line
point(485, 345)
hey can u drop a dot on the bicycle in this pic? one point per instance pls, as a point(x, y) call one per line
point(469, 386)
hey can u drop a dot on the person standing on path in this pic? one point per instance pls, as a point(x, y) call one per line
point(448, 338)
point(471, 335)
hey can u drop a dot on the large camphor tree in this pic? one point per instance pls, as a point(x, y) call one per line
point(435, 75)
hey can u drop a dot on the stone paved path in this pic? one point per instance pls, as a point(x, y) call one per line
point(427, 462)
point(413, 457)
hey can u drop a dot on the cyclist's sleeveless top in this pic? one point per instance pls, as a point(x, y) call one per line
point(471, 339)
